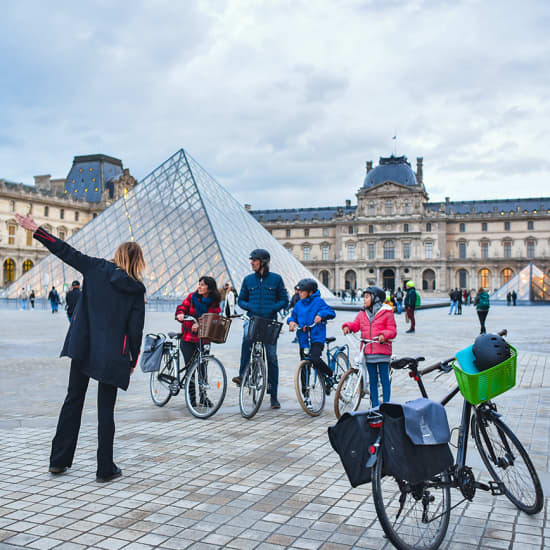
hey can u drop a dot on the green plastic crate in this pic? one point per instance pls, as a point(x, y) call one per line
point(476, 386)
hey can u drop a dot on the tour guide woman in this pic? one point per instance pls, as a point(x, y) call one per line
point(103, 341)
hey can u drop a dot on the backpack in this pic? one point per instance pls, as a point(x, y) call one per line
point(483, 301)
point(418, 299)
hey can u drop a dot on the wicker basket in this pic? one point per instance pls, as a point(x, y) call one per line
point(479, 386)
point(214, 327)
point(263, 330)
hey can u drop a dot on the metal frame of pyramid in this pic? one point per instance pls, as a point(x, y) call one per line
point(531, 285)
point(188, 226)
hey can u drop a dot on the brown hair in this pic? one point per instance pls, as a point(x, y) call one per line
point(481, 289)
point(129, 257)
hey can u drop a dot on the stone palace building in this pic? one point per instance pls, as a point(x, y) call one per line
point(394, 233)
point(62, 206)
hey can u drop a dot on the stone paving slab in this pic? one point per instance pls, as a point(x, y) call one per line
point(272, 482)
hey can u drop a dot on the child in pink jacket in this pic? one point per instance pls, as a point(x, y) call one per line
point(376, 321)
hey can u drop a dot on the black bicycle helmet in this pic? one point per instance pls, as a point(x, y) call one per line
point(307, 284)
point(260, 254)
point(378, 295)
point(490, 350)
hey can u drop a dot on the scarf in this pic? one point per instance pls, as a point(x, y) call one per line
point(373, 310)
point(201, 304)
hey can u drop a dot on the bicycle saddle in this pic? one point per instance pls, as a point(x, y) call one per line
point(330, 339)
point(175, 335)
point(405, 362)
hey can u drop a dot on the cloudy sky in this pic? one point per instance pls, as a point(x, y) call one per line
point(283, 101)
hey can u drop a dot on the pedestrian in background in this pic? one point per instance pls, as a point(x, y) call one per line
point(459, 302)
point(399, 300)
point(509, 299)
point(103, 341)
point(410, 305)
point(453, 295)
point(32, 298)
point(53, 297)
point(230, 301)
point(514, 297)
point(482, 305)
point(23, 299)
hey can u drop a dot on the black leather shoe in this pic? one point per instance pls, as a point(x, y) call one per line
point(275, 404)
point(236, 380)
point(56, 470)
point(117, 473)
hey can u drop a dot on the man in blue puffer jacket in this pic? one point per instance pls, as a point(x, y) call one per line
point(263, 294)
point(311, 309)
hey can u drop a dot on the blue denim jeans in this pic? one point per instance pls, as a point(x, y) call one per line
point(454, 307)
point(382, 369)
point(272, 362)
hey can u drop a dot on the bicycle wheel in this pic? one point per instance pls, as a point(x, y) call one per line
point(161, 380)
point(205, 387)
point(310, 388)
point(341, 366)
point(348, 393)
point(252, 387)
point(508, 462)
point(414, 517)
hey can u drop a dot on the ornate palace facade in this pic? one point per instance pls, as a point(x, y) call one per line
point(394, 233)
point(62, 206)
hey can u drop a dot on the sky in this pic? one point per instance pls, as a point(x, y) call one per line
point(283, 102)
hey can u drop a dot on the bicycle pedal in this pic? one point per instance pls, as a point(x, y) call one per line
point(496, 488)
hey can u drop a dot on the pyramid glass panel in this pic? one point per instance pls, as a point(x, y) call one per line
point(188, 226)
point(530, 284)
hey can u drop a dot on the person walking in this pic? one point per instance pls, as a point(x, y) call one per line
point(399, 300)
point(453, 295)
point(509, 299)
point(263, 294)
point(459, 301)
point(32, 298)
point(514, 297)
point(230, 301)
point(376, 320)
point(71, 299)
point(23, 299)
point(206, 299)
point(103, 341)
point(482, 305)
point(410, 305)
point(53, 297)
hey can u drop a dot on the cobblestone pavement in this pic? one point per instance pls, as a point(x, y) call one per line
point(269, 483)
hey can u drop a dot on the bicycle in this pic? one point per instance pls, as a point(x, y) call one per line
point(253, 384)
point(416, 516)
point(204, 380)
point(309, 384)
point(354, 384)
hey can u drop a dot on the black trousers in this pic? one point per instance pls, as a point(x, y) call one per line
point(482, 314)
point(315, 353)
point(68, 425)
point(188, 349)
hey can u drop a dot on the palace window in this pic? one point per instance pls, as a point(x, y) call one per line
point(324, 252)
point(27, 264)
point(506, 226)
point(507, 245)
point(350, 229)
point(389, 250)
point(307, 253)
point(405, 228)
point(462, 227)
point(407, 207)
point(506, 275)
point(484, 227)
point(351, 252)
point(11, 234)
point(76, 215)
point(406, 250)
point(287, 231)
point(530, 225)
point(325, 231)
point(371, 228)
point(29, 238)
point(46, 211)
point(531, 248)
point(462, 250)
point(371, 208)
point(484, 278)
point(429, 249)
point(389, 207)
point(62, 213)
point(12, 206)
point(306, 232)
point(9, 271)
point(428, 227)
point(484, 249)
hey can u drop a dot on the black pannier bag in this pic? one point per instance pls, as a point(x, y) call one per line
point(351, 438)
point(152, 352)
point(415, 440)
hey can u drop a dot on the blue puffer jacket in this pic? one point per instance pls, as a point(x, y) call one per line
point(263, 296)
point(304, 313)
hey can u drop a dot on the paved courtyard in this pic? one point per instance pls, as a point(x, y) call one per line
point(269, 483)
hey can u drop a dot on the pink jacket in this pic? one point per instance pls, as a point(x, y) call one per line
point(383, 323)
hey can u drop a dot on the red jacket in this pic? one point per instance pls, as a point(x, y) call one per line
point(187, 308)
point(383, 323)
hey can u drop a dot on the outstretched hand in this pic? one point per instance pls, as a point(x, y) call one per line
point(26, 222)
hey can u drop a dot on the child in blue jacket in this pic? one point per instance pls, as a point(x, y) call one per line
point(312, 309)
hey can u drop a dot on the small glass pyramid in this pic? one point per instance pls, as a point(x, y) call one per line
point(530, 284)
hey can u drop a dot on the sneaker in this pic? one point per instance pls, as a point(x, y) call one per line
point(275, 404)
point(410, 330)
point(104, 479)
point(237, 380)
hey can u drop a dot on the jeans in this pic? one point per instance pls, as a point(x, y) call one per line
point(482, 314)
point(68, 425)
point(376, 369)
point(23, 303)
point(399, 305)
point(454, 306)
point(272, 362)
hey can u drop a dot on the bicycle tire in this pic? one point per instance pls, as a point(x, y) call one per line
point(349, 392)
point(341, 366)
point(406, 526)
point(159, 387)
point(310, 388)
point(210, 386)
point(495, 442)
point(252, 390)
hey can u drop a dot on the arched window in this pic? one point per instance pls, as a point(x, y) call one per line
point(506, 275)
point(484, 276)
point(350, 280)
point(389, 250)
point(325, 278)
point(388, 279)
point(428, 279)
point(9, 271)
point(27, 264)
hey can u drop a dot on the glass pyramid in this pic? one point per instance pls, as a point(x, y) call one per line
point(530, 284)
point(188, 226)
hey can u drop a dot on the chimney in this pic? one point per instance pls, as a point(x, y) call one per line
point(369, 166)
point(43, 182)
point(419, 175)
point(247, 207)
point(348, 203)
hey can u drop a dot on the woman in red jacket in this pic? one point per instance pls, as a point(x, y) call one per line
point(376, 321)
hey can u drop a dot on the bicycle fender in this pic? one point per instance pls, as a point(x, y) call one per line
point(340, 349)
point(374, 456)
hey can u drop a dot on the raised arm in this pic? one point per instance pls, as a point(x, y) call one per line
point(66, 253)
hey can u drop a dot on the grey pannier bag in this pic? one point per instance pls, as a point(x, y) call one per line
point(152, 352)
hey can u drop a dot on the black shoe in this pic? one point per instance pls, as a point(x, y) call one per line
point(275, 404)
point(237, 380)
point(268, 390)
point(116, 474)
point(56, 470)
point(410, 330)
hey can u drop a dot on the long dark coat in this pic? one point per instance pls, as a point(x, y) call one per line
point(107, 325)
